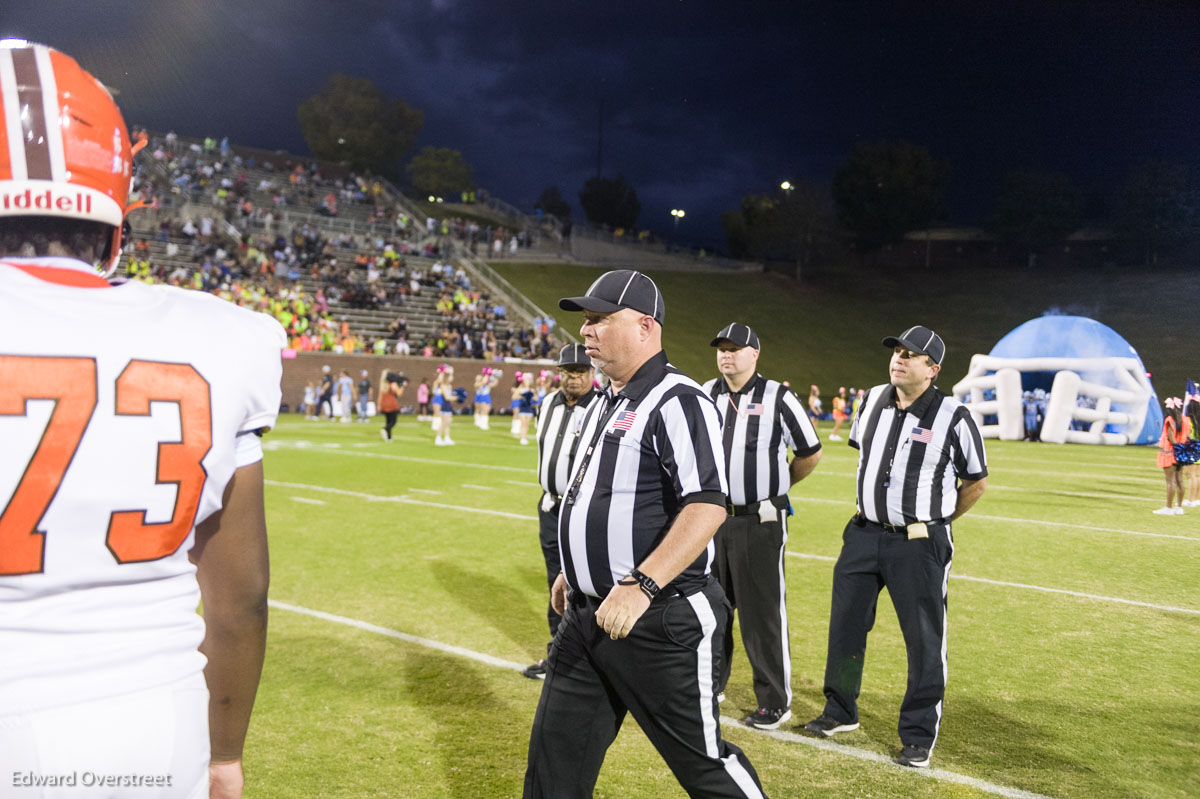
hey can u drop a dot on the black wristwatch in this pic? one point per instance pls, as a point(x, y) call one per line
point(642, 581)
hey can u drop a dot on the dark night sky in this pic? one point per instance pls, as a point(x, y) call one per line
point(704, 101)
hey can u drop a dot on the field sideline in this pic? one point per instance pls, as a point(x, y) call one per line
point(1069, 601)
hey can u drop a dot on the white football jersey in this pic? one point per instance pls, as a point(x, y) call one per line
point(124, 411)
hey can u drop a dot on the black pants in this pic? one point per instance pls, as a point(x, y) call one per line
point(389, 422)
point(915, 572)
point(749, 565)
point(663, 673)
point(548, 535)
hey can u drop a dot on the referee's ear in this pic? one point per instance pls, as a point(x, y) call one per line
point(937, 369)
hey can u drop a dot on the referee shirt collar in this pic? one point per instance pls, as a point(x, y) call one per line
point(723, 387)
point(919, 406)
point(583, 401)
point(646, 377)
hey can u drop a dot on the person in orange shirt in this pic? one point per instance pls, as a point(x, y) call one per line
point(841, 406)
point(1176, 430)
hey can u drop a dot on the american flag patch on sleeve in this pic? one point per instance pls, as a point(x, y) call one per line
point(921, 435)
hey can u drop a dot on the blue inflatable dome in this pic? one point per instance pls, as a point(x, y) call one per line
point(1074, 337)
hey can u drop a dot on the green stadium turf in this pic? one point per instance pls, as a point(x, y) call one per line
point(1073, 628)
point(827, 332)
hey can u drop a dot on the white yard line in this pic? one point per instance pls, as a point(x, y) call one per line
point(1193, 539)
point(1042, 522)
point(525, 517)
point(1096, 597)
point(828, 746)
point(308, 501)
point(390, 633)
point(993, 486)
point(408, 458)
point(426, 491)
point(476, 487)
point(941, 775)
point(400, 499)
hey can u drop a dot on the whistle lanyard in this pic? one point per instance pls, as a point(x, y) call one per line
point(893, 440)
point(573, 492)
point(734, 405)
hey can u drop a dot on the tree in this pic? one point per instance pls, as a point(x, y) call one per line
point(887, 189)
point(351, 119)
point(610, 202)
point(440, 171)
point(1036, 210)
point(1158, 208)
point(794, 225)
point(551, 202)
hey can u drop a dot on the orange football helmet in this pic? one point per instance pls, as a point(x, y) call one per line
point(64, 146)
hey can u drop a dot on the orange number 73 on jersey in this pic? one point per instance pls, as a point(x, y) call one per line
point(71, 384)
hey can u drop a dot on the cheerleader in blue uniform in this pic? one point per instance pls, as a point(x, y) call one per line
point(515, 403)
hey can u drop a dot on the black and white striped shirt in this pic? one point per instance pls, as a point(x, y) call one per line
point(760, 422)
point(909, 461)
point(656, 449)
point(559, 426)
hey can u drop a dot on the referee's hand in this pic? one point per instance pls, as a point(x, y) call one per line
point(621, 609)
point(558, 594)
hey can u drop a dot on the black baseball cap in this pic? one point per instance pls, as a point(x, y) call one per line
point(919, 339)
point(739, 334)
point(621, 288)
point(574, 355)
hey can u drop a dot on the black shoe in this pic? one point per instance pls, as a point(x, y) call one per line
point(914, 756)
point(768, 718)
point(537, 671)
point(826, 726)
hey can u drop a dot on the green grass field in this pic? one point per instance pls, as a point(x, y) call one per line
point(1074, 628)
point(827, 332)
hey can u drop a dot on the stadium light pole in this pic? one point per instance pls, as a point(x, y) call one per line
point(678, 213)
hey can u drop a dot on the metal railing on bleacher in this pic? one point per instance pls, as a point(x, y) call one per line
point(499, 287)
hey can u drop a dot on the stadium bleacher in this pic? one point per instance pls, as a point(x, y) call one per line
point(218, 221)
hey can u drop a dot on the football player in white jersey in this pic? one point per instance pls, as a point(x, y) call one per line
point(130, 475)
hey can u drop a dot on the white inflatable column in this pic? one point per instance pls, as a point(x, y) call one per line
point(1010, 416)
point(1061, 407)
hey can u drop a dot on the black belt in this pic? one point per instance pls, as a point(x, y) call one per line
point(746, 510)
point(901, 529)
point(672, 590)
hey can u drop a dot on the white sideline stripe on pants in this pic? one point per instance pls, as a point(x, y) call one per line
point(829, 746)
point(1042, 522)
point(1079, 594)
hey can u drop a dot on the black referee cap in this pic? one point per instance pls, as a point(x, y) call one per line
point(621, 288)
point(919, 339)
point(739, 334)
point(574, 355)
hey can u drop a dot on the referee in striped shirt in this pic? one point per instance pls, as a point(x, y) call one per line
point(921, 464)
point(643, 618)
point(559, 424)
point(761, 420)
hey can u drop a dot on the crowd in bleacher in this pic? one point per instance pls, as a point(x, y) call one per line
point(302, 273)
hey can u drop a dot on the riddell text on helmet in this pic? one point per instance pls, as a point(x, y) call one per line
point(48, 200)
